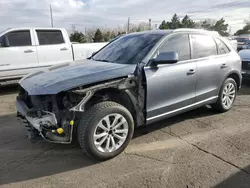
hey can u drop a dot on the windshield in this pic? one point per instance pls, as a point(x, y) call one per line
point(2, 31)
point(129, 49)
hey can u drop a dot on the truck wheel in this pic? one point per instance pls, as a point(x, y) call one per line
point(227, 96)
point(105, 130)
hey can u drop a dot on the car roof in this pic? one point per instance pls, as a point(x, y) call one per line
point(160, 32)
point(243, 37)
point(40, 28)
point(28, 28)
point(169, 31)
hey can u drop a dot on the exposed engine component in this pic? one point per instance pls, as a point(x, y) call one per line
point(48, 116)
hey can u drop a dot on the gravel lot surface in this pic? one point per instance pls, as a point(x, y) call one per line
point(195, 149)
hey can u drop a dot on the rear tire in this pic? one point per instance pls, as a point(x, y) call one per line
point(226, 97)
point(105, 130)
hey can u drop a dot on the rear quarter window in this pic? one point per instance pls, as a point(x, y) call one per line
point(222, 47)
point(49, 37)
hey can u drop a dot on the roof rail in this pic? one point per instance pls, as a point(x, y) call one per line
point(199, 30)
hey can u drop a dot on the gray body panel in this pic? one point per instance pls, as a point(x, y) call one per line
point(171, 91)
point(169, 87)
point(210, 76)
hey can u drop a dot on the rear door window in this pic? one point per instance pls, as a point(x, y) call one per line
point(19, 38)
point(203, 46)
point(49, 37)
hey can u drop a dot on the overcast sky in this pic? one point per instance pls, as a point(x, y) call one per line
point(111, 13)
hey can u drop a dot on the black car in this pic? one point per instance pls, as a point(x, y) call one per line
point(243, 42)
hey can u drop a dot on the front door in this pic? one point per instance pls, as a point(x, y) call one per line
point(171, 87)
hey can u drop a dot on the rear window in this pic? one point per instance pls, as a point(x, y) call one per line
point(19, 38)
point(49, 37)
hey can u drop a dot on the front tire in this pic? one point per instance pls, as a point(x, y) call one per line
point(105, 130)
point(227, 96)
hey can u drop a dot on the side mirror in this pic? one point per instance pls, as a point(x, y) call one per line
point(165, 58)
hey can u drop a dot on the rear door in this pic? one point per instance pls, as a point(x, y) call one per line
point(211, 67)
point(171, 87)
point(20, 57)
point(52, 48)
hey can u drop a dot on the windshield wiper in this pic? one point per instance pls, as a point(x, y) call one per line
point(102, 60)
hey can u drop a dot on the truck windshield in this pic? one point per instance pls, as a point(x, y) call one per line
point(2, 31)
point(128, 49)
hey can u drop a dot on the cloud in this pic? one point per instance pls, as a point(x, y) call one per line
point(111, 13)
point(234, 4)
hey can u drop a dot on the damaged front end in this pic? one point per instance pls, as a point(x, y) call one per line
point(53, 117)
point(48, 116)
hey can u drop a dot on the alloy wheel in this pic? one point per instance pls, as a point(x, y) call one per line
point(110, 133)
point(228, 95)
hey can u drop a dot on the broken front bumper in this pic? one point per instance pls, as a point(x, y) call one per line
point(44, 123)
point(45, 118)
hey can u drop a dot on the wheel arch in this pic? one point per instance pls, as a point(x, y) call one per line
point(235, 75)
point(123, 97)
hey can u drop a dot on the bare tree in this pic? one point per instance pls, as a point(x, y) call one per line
point(90, 33)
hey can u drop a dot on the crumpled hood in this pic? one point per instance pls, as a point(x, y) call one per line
point(71, 75)
point(245, 54)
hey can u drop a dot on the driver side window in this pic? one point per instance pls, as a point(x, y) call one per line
point(19, 38)
point(1, 41)
point(178, 43)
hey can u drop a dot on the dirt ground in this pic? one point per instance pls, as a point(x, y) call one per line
point(195, 149)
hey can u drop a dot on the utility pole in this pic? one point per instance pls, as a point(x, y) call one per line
point(73, 28)
point(85, 33)
point(230, 29)
point(156, 27)
point(128, 25)
point(51, 16)
point(149, 24)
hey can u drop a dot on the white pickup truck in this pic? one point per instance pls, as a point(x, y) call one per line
point(24, 50)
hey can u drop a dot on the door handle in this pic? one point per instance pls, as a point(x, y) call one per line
point(29, 51)
point(224, 65)
point(190, 72)
point(63, 49)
